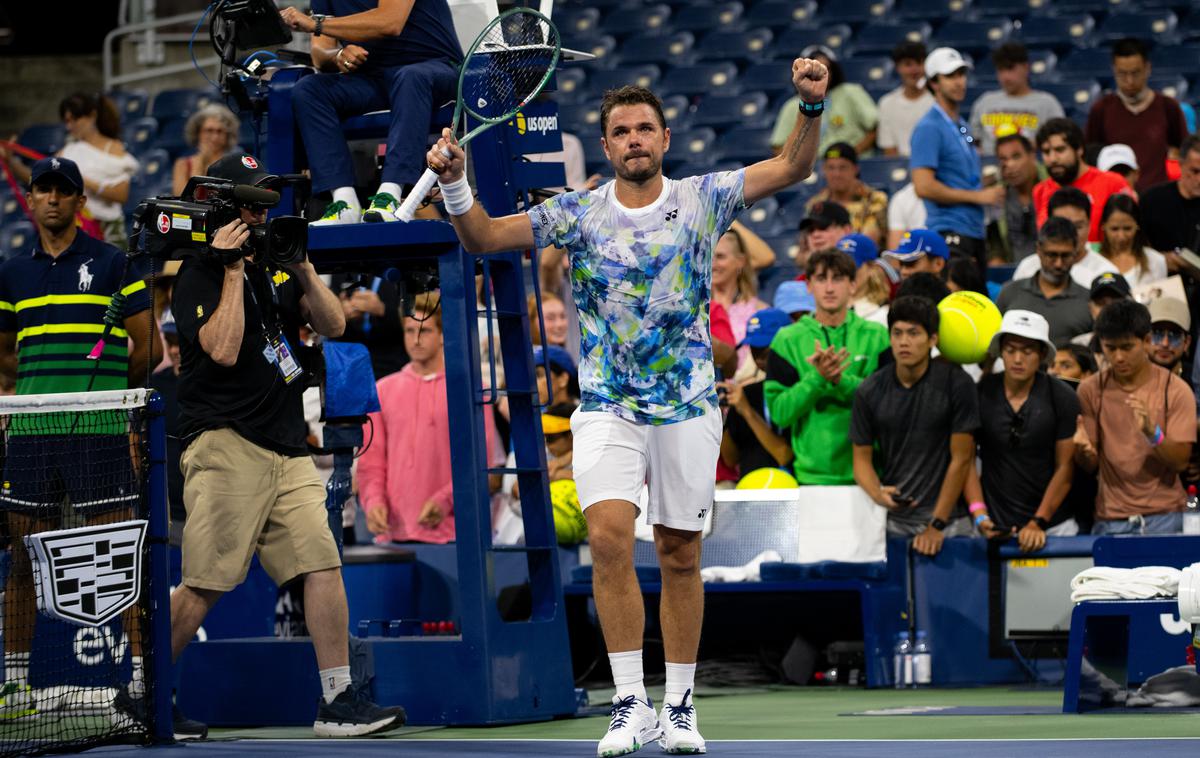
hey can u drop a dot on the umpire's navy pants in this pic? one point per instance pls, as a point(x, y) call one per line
point(411, 92)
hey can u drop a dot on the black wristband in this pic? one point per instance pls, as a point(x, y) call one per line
point(812, 110)
point(1042, 523)
point(320, 24)
point(938, 524)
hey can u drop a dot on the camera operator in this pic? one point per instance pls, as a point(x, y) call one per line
point(249, 483)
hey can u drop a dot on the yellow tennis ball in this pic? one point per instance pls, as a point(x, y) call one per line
point(767, 479)
point(969, 320)
point(569, 524)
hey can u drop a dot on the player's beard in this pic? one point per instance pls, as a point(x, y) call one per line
point(638, 176)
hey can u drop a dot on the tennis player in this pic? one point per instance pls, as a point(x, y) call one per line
point(641, 248)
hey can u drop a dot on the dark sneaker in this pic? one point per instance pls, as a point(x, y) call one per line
point(129, 712)
point(352, 715)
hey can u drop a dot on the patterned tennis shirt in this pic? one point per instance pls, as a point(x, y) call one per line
point(642, 281)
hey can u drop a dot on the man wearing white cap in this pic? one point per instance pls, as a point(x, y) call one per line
point(945, 166)
point(1121, 160)
point(1025, 439)
point(1170, 333)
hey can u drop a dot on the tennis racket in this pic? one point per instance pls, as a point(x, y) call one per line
point(507, 66)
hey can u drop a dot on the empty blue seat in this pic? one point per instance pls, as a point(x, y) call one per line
point(577, 21)
point(10, 207)
point(748, 46)
point(1076, 6)
point(156, 164)
point(17, 238)
point(171, 137)
point(778, 14)
point(1176, 59)
point(678, 111)
point(930, 10)
point(665, 50)
point(746, 144)
point(600, 45)
point(138, 133)
point(179, 103)
point(622, 22)
point(855, 11)
point(704, 78)
point(880, 39)
point(1076, 96)
point(1089, 63)
point(1171, 85)
point(646, 75)
point(791, 41)
point(1157, 25)
point(1189, 28)
point(773, 78)
point(869, 70)
point(1060, 31)
point(582, 118)
point(1001, 8)
point(693, 146)
point(570, 84)
point(703, 18)
point(880, 173)
point(130, 103)
point(763, 218)
point(724, 112)
point(44, 138)
point(973, 36)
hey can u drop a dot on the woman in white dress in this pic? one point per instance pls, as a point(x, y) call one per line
point(1123, 242)
point(94, 129)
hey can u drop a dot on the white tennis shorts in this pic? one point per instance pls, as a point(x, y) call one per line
point(613, 458)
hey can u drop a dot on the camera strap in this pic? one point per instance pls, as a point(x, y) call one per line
point(277, 351)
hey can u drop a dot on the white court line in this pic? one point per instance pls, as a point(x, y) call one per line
point(547, 739)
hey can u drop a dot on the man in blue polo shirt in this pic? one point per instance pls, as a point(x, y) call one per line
point(945, 165)
point(52, 304)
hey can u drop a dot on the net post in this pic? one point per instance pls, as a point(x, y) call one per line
point(161, 728)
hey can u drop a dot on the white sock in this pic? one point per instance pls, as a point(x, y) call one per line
point(627, 674)
point(392, 189)
point(334, 682)
point(348, 196)
point(16, 668)
point(681, 677)
point(137, 685)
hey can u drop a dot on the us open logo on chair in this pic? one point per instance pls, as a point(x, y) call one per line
point(88, 576)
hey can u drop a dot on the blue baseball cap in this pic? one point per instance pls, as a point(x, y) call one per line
point(918, 242)
point(794, 297)
point(55, 166)
point(860, 247)
point(763, 325)
point(559, 358)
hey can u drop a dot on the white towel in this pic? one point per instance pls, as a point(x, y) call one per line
point(747, 573)
point(1105, 583)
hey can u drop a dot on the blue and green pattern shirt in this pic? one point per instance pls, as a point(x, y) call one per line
point(642, 281)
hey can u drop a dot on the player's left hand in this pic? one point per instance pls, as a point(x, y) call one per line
point(929, 542)
point(294, 19)
point(811, 78)
point(431, 515)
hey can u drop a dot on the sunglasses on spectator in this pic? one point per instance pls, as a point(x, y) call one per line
point(1173, 337)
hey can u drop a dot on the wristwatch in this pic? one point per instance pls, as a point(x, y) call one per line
point(938, 524)
point(319, 20)
point(1042, 523)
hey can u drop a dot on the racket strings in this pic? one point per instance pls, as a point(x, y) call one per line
point(508, 65)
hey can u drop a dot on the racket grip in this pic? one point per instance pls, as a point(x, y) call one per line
point(417, 196)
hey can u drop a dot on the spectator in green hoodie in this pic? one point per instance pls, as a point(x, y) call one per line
point(815, 366)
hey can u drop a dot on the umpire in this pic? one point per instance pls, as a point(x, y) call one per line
point(249, 483)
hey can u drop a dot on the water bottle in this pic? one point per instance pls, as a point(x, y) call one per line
point(922, 662)
point(902, 661)
point(1191, 512)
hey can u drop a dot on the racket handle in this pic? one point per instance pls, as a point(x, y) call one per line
point(417, 196)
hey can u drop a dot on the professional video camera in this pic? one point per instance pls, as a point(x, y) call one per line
point(176, 227)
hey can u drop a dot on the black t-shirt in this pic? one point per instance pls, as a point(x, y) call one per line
point(250, 396)
point(751, 454)
point(1169, 220)
point(428, 33)
point(911, 428)
point(383, 335)
point(1017, 449)
point(166, 383)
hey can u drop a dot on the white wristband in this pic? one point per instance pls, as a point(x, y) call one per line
point(457, 196)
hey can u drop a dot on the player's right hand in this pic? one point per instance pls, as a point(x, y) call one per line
point(231, 236)
point(449, 170)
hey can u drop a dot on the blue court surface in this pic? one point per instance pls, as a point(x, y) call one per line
point(421, 748)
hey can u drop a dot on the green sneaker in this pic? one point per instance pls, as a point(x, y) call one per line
point(381, 207)
point(16, 702)
point(338, 212)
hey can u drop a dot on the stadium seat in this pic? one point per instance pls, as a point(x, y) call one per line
point(10, 207)
point(1061, 31)
point(700, 18)
point(1189, 28)
point(1157, 25)
point(171, 137)
point(778, 14)
point(1077, 95)
point(1095, 62)
point(791, 41)
point(179, 103)
point(973, 36)
point(774, 78)
point(880, 39)
point(44, 138)
point(701, 79)
point(933, 11)
point(723, 112)
point(1042, 65)
point(138, 133)
point(646, 75)
point(881, 173)
point(156, 164)
point(570, 84)
point(678, 110)
point(1012, 9)
point(746, 144)
point(620, 22)
point(582, 118)
point(600, 45)
point(130, 104)
point(1076, 6)
point(866, 70)
point(664, 50)
point(1171, 85)
point(1175, 59)
point(763, 218)
point(695, 146)
point(576, 21)
point(17, 237)
point(750, 46)
point(855, 11)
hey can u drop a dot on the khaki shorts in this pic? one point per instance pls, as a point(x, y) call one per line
point(242, 498)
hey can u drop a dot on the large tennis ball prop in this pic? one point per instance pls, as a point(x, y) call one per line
point(569, 524)
point(767, 479)
point(969, 320)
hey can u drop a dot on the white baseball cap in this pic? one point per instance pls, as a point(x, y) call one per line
point(944, 60)
point(1027, 324)
point(1116, 155)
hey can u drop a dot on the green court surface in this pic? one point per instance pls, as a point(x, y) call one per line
point(800, 713)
